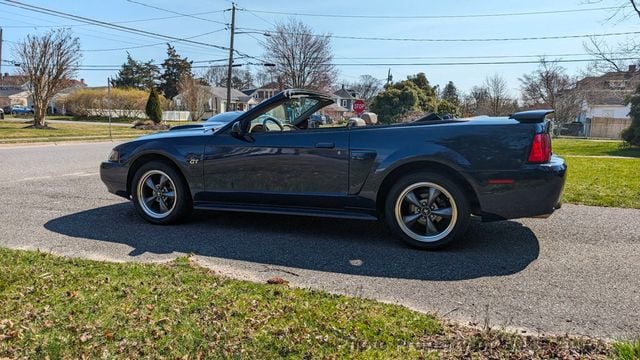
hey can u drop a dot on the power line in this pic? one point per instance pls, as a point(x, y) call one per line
point(117, 67)
point(480, 63)
point(549, 12)
point(526, 38)
point(469, 56)
point(175, 12)
point(151, 45)
point(87, 20)
point(117, 22)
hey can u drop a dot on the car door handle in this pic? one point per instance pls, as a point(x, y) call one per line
point(325, 145)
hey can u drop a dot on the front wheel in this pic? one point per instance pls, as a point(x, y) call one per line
point(160, 194)
point(427, 210)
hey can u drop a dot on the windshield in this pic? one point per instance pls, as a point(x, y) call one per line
point(289, 111)
point(226, 117)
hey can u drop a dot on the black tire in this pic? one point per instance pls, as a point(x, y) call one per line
point(177, 208)
point(407, 221)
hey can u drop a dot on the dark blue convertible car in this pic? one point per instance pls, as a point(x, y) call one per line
point(425, 178)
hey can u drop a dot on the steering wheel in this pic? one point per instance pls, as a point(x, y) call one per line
point(273, 120)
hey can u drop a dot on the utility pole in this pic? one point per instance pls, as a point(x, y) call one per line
point(1, 77)
point(230, 69)
point(109, 105)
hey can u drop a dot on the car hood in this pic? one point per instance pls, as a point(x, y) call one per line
point(186, 130)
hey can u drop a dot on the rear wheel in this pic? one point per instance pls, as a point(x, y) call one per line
point(427, 210)
point(160, 194)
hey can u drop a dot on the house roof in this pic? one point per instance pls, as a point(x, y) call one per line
point(344, 93)
point(10, 92)
point(14, 80)
point(221, 92)
point(598, 90)
point(336, 108)
point(249, 92)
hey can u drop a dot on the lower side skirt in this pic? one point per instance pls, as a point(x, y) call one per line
point(330, 213)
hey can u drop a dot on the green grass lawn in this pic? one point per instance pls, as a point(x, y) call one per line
point(51, 307)
point(584, 147)
point(603, 182)
point(600, 181)
point(18, 132)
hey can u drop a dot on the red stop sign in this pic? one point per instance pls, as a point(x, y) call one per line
point(359, 106)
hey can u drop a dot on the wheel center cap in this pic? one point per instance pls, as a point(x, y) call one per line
point(425, 211)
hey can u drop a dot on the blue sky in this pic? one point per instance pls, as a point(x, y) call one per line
point(17, 23)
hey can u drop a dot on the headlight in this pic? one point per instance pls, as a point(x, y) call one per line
point(114, 155)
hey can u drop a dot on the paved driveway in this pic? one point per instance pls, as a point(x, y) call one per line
point(576, 272)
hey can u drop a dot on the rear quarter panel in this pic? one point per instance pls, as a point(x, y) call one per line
point(475, 149)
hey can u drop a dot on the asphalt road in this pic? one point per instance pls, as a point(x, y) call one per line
point(577, 272)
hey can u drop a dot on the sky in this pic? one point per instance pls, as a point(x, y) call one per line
point(398, 19)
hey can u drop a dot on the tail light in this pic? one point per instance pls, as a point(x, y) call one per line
point(540, 149)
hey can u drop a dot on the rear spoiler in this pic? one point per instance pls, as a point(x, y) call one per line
point(531, 116)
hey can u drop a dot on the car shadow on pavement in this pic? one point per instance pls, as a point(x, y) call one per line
point(334, 245)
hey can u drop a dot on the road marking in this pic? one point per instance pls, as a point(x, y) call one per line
point(35, 178)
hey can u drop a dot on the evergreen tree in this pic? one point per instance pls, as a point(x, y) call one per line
point(450, 94)
point(414, 96)
point(136, 74)
point(154, 108)
point(632, 134)
point(174, 68)
point(420, 80)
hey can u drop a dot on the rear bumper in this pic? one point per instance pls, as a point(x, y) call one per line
point(114, 176)
point(536, 191)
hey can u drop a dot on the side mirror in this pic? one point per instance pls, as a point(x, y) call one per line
point(236, 130)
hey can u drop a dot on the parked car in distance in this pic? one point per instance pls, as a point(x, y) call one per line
point(317, 120)
point(224, 118)
point(575, 128)
point(424, 178)
point(18, 110)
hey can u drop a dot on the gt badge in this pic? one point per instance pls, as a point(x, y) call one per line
point(193, 161)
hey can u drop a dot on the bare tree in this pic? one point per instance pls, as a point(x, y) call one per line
point(303, 59)
point(367, 87)
point(194, 95)
point(49, 62)
point(550, 86)
point(217, 76)
point(499, 101)
point(606, 55)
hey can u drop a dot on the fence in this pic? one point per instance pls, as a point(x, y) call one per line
point(176, 116)
point(607, 128)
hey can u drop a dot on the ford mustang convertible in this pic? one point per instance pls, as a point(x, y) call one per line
point(425, 178)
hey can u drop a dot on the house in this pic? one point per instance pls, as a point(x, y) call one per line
point(239, 100)
point(217, 100)
point(14, 90)
point(604, 111)
point(264, 92)
point(345, 99)
point(14, 97)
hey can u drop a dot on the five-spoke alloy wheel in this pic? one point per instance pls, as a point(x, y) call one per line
point(427, 210)
point(160, 194)
point(157, 194)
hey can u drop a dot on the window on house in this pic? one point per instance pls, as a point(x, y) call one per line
point(609, 114)
point(617, 84)
point(344, 103)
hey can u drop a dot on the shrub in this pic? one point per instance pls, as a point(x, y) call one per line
point(124, 103)
point(154, 107)
point(631, 135)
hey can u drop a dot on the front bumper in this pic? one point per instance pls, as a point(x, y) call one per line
point(536, 191)
point(114, 176)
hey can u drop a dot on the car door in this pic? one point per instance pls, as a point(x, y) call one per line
point(270, 165)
